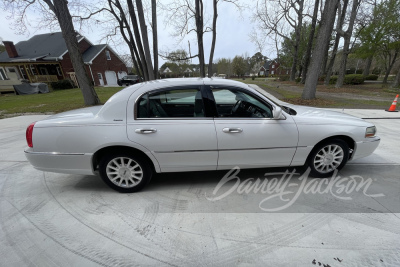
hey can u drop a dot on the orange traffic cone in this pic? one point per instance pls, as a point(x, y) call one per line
point(393, 106)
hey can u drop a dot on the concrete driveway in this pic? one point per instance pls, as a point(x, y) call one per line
point(49, 219)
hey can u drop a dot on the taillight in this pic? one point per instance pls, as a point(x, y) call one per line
point(29, 132)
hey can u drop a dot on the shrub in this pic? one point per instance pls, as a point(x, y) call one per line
point(284, 78)
point(354, 79)
point(371, 77)
point(62, 84)
point(253, 78)
point(321, 78)
point(298, 80)
point(333, 80)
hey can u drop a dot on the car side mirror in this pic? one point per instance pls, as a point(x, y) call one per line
point(277, 113)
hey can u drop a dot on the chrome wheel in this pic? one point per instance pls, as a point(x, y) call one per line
point(124, 172)
point(328, 158)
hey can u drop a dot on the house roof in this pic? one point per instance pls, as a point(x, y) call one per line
point(50, 46)
point(47, 46)
point(92, 52)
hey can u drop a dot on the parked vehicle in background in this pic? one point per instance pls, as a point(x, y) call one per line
point(129, 80)
point(194, 124)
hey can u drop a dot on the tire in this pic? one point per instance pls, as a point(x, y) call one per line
point(125, 173)
point(328, 157)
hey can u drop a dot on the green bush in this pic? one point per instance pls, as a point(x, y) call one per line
point(284, 78)
point(354, 79)
point(253, 78)
point(62, 84)
point(349, 79)
point(371, 77)
point(333, 80)
point(298, 79)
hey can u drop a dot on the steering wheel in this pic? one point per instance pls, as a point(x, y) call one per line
point(236, 106)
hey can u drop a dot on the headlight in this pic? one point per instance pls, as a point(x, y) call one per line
point(370, 132)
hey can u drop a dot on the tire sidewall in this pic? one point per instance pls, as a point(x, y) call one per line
point(147, 172)
point(310, 161)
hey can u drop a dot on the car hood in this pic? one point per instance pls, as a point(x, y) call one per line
point(312, 115)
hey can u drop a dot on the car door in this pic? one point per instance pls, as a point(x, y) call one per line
point(173, 125)
point(247, 134)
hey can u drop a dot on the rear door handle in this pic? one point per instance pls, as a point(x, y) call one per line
point(145, 131)
point(232, 130)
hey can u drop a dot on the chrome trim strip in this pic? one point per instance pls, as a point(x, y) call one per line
point(54, 153)
point(217, 150)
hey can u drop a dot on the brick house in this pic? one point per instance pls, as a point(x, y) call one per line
point(273, 67)
point(45, 58)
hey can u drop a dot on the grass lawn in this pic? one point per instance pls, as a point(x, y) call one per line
point(53, 102)
point(367, 95)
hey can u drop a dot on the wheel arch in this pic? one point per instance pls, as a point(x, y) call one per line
point(349, 141)
point(99, 154)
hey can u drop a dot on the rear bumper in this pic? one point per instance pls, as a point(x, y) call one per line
point(72, 163)
point(365, 148)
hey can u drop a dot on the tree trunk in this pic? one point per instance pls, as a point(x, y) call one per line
point(325, 31)
point(60, 9)
point(155, 37)
point(298, 39)
point(368, 66)
point(341, 15)
point(139, 45)
point(310, 42)
point(396, 82)
point(214, 37)
point(346, 46)
point(199, 31)
point(390, 67)
point(146, 46)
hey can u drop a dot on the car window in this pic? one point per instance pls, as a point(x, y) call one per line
point(238, 104)
point(175, 103)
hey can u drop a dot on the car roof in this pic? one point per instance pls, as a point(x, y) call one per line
point(150, 85)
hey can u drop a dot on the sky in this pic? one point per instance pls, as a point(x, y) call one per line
point(233, 29)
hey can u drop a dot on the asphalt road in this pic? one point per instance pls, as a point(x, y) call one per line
point(180, 219)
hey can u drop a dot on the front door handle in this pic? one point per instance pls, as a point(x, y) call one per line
point(232, 130)
point(145, 131)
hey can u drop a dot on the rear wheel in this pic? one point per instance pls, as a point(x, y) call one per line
point(327, 157)
point(125, 173)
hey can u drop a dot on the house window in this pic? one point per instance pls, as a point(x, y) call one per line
point(59, 73)
point(273, 67)
point(3, 74)
point(287, 72)
point(23, 73)
point(108, 55)
point(272, 72)
point(33, 70)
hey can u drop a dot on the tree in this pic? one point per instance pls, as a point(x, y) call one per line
point(224, 66)
point(186, 18)
point(346, 46)
point(132, 25)
point(275, 16)
point(324, 34)
point(2, 47)
point(310, 43)
point(239, 66)
point(339, 25)
point(59, 8)
point(155, 36)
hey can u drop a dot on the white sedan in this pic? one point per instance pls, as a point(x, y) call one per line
point(178, 125)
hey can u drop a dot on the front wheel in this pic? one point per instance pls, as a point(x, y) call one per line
point(125, 173)
point(328, 157)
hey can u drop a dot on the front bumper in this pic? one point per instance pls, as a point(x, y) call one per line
point(73, 163)
point(365, 148)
